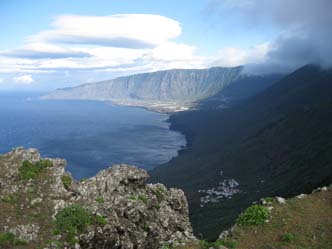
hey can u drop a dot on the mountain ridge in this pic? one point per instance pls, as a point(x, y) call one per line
point(173, 88)
point(257, 140)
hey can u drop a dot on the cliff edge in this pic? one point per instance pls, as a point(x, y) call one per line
point(42, 206)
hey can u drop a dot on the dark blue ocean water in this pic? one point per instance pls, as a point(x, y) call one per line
point(90, 135)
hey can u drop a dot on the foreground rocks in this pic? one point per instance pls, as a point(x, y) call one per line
point(134, 214)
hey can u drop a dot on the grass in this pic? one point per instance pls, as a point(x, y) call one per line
point(160, 192)
point(301, 223)
point(71, 221)
point(10, 198)
point(269, 199)
point(288, 237)
point(231, 244)
point(254, 215)
point(100, 200)
point(100, 220)
point(67, 181)
point(31, 170)
point(9, 239)
point(141, 198)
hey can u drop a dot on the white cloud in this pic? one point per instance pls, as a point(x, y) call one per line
point(236, 57)
point(42, 51)
point(125, 30)
point(171, 51)
point(102, 47)
point(24, 79)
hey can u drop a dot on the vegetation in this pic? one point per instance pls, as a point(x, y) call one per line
point(9, 239)
point(207, 245)
point(269, 199)
point(160, 192)
point(141, 198)
point(31, 170)
point(72, 220)
point(66, 180)
point(10, 198)
point(283, 148)
point(254, 215)
point(100, 200)
point(288, 237)
point(100, 220)
point(166, 246)
point(301, 223)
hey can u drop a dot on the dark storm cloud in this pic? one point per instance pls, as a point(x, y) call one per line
point(306, 28)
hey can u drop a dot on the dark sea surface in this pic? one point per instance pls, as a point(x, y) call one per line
point(90, 135)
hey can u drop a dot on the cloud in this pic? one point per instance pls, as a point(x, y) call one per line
point(304, 28)
point(24, 79)
point(231, 57)
point(102, 43)
point(134, 31)
point(43, 51)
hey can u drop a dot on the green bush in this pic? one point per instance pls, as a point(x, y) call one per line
point(100, 200)
point(9, 239)
point(141, 198)
point(229, 243)
point(166, 246)
point(288, 237)
point(269, 199)
point(159, 192)
point(10, 198)
point(100, 220)
point(31, 170)
point(72, 220)
point(254, 215)
point(66, 181)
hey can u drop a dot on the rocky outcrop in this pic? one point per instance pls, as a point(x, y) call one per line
point(134, 214)
point(163, 89)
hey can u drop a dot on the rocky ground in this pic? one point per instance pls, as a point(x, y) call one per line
point(42, 206)
point(304, 221)
point(118, 209)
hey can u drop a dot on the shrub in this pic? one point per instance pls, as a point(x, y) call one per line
point(269, 199)
point(100, 220)
point(10, 198)
point(232, 244)
point(73, 220)
point(288, 237)
point(166, 246)
point(141, 198)
point(254, 215)
point(67, 181)
point(146, 227)
point(206, 245)
point(100, 200)
point(159, 192)
point(30, 171)
point(10, 239)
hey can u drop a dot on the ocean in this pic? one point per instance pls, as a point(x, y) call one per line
point(90, 135)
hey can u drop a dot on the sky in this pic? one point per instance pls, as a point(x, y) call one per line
point(51, 44)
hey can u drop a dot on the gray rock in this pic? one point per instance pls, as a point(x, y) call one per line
point(137, 215)
point(281, 200)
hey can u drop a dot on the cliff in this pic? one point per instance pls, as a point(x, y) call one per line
point(43, 207)
point(169, 90)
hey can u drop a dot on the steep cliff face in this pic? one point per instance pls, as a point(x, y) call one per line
point(42, 206)
point(180, 86)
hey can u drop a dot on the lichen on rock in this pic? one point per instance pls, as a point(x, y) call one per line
point(125, 211)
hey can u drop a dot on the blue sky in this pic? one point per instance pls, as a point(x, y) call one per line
point(57, 43)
